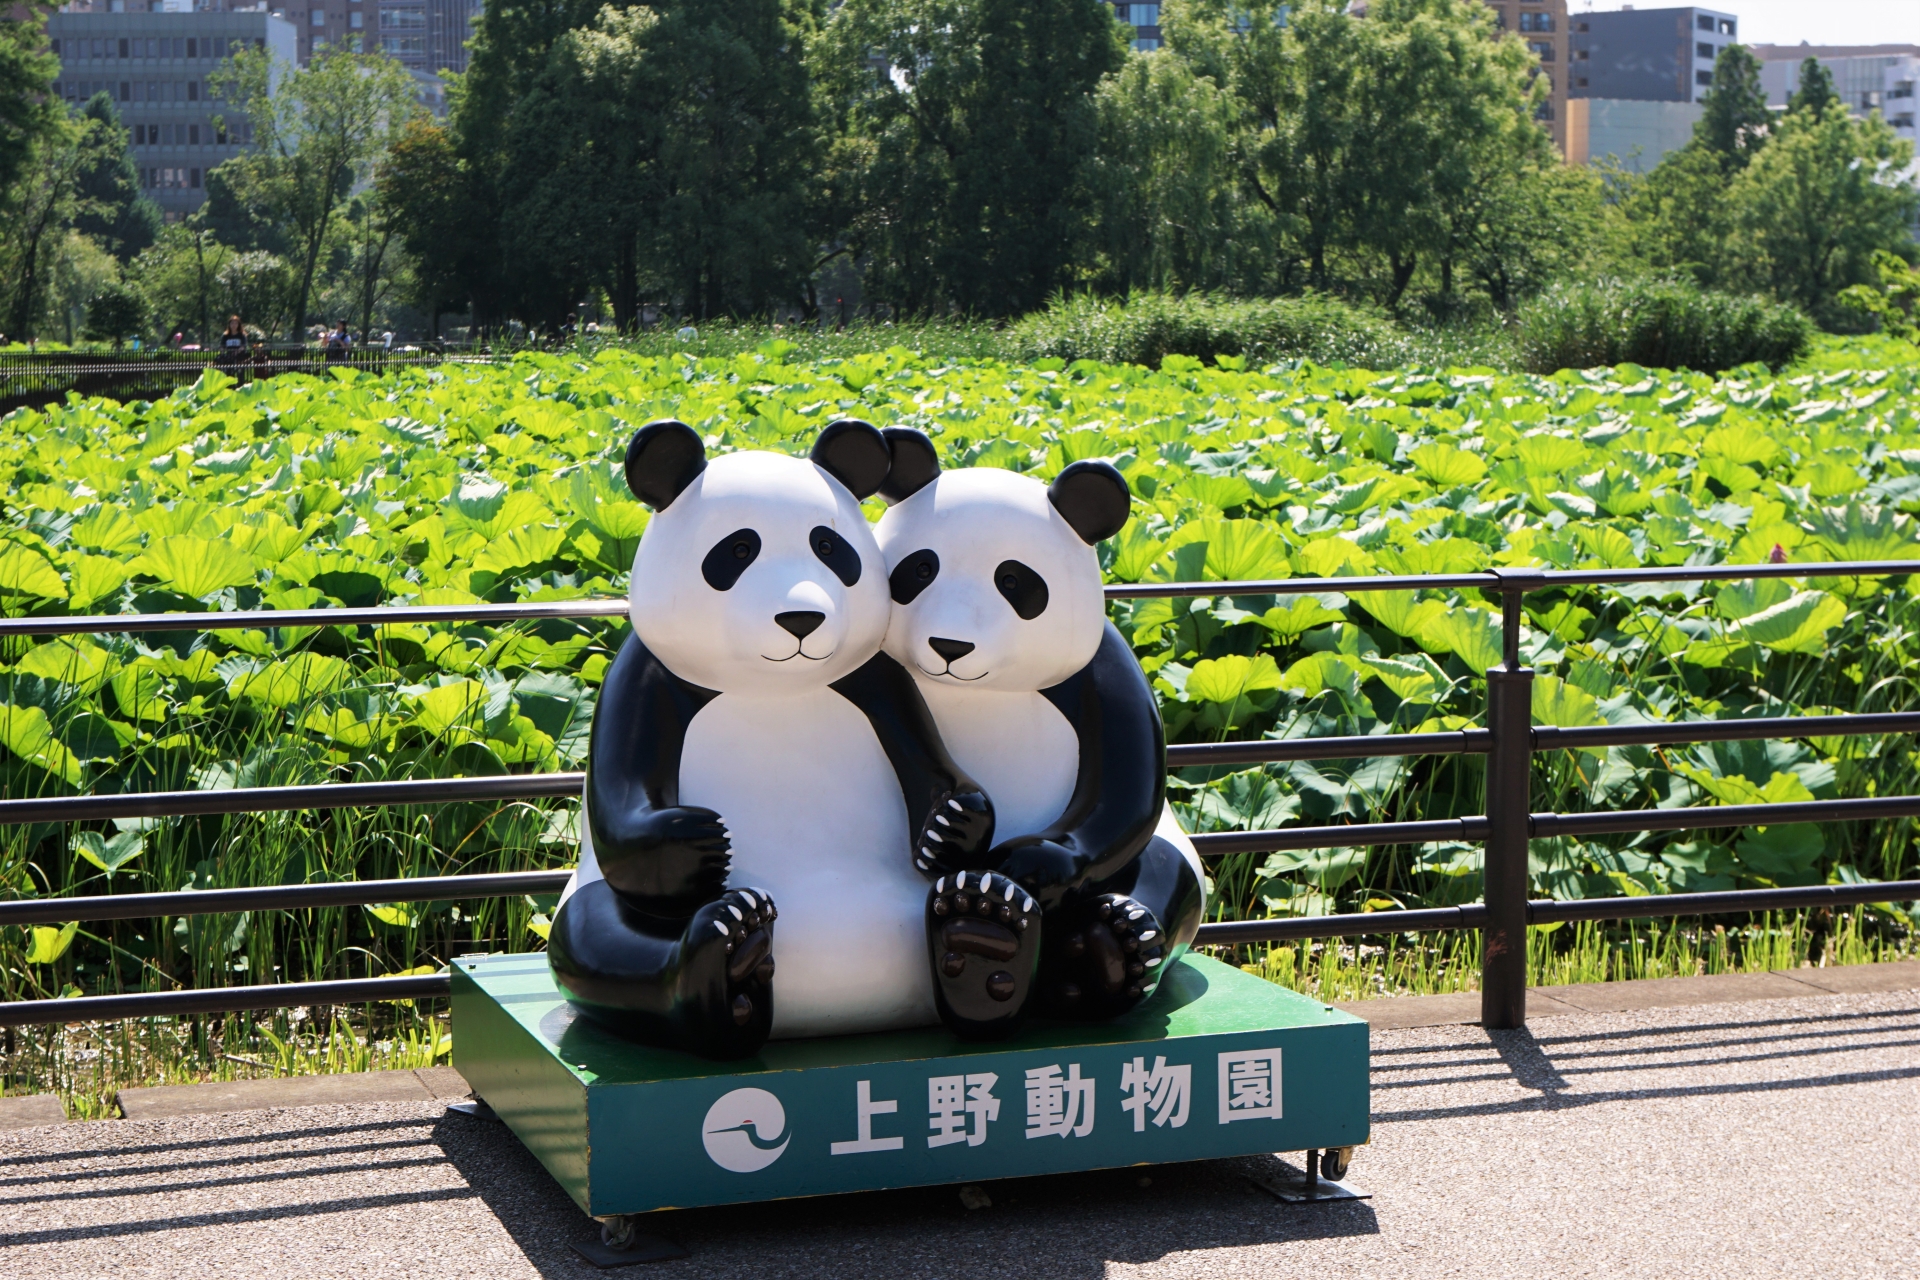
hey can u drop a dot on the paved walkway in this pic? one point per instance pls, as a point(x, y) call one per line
point(1759, 1138)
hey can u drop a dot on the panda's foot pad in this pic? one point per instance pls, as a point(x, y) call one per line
point(1113, 962)
point(983, 932)
point(734, 935)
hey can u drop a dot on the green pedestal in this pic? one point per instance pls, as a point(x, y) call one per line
point(1217, 1063)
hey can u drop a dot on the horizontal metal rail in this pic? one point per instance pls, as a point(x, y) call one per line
point(1546, 825)
point(1502, 581)
point(1294, 928)
point(1342, 836)
point(282, 897)
point(326, 795)
point(1669, 733)
point(264, 619)
point(1275, 750)
point(1552, 911)
point(277, 995)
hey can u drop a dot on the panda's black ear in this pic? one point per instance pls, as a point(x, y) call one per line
point(1094, 499)
point(663, 459)
point(914, 465)
point(855, 454)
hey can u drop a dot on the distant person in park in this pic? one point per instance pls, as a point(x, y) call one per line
point(233, 343)
point(338, 342)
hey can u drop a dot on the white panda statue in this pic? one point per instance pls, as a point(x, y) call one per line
point(999, 614)
point(755, 756)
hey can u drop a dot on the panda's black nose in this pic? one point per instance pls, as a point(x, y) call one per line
point(803, 622)
point(951, 650)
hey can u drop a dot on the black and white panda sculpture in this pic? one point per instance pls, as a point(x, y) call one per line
point(752, 734)
point(999, 614)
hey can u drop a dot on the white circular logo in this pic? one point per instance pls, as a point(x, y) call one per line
point(745, 1131)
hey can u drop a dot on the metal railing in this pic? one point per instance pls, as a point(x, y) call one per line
point(35, 379)
point(1509, 740)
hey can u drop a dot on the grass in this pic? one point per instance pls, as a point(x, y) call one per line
point(1562, 955)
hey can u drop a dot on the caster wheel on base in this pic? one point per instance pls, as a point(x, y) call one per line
point(621, 1244)
point(1334, 1162)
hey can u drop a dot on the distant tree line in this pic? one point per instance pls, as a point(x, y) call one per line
point(695, 158)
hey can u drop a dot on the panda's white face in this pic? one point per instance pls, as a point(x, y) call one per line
point(761, 577)
point(992, 588)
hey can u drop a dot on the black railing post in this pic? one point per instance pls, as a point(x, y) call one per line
point(1503, 963)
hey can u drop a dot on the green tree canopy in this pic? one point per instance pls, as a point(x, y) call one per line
point(1816, 94)
point(1735, 116)
point(113, 209)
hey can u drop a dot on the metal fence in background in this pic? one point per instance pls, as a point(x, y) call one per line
point(1508, 740)
point(32, 379)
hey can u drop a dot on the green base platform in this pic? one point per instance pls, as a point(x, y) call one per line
point(1217, 1063)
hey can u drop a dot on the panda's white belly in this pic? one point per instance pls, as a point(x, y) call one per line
point(1016, 745)
point(817, 820)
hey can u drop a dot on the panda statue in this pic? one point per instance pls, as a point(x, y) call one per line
point(756, 756)
point(999, 615)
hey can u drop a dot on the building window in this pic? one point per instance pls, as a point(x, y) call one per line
point(317, 18)
point(1536, 22)
point(355, 19)
point(195, 175)
point(1726, 26)
point(1901, 89)
point(403, 46)
point(1581, 82)
point(1703, 77)
point(126, 91)
point(416, 19)
point(1704, 23)
point(1703, 50)
point(1541, 50)
point(1143, 15)
point(1146, 44)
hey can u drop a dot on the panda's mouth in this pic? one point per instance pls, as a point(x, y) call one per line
point(799, 653)
point(951, 675)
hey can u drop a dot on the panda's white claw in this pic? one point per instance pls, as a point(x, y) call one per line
point(1026, 904)
point(955, 806)
point(941, 818)
point(1149, 935)
point(1151, 963)
point(1135, 915)
point(751, 900)
point(1007, 891)
point(940, 885)
point(737, 915)
point(721, 927)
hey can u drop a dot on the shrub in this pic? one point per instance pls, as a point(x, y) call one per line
point(116, 315)
point(1148, 327)
point(1657, 324)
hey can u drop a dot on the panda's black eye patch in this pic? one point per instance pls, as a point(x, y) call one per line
point(836, 553)
point(913, 575)
point(1024, 589)
point(729, 559)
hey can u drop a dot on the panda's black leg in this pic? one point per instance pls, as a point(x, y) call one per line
point(1106, 952)
point(983, 937)
point(703, 985)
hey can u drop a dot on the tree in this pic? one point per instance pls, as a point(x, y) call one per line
point(1735, 117)
point(976, 117)
point(1893, 300)
point(29, 113)
point(1816, 94)
point(1166, 207)
point(316, 131)
point(179, 277)
point(437, 210)
point(113, 209)
point(116, 315)
point(40, 205)
point(1679, 220)
point(1817, 203)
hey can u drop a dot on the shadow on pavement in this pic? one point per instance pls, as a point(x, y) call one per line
point(1060, 1227)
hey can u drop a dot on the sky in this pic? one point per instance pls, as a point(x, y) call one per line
point(1792, 21)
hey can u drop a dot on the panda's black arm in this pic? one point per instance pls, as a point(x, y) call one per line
point(1122, 784)
point(949, 814)
point(665, 860)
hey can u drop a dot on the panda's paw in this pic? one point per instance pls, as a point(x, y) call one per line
point(958, 833)
point(1111, 963)
point(727, 962)
point(983, 935)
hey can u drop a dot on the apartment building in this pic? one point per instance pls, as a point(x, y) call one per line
point(1879, 77)
point(1649, 55)
point(1543, 25)
point(156, 66)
